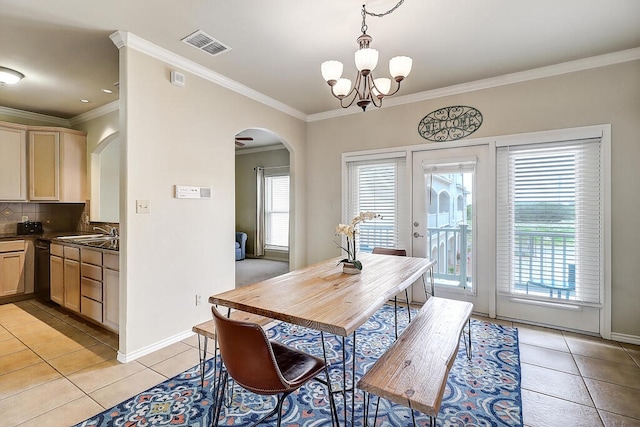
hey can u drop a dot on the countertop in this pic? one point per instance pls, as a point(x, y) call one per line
point(52, 236)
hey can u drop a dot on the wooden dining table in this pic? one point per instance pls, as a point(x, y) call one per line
point(323, 298)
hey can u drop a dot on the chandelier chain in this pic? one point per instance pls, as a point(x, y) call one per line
point(365, 12)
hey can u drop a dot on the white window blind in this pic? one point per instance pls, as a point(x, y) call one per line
point(377, 185)
point(277, 211)
point(550, 221)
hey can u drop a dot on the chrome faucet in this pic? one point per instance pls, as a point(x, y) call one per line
point(113, 231)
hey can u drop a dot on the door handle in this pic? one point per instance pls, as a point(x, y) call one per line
point(416, 235)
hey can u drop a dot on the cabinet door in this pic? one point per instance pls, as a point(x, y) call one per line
point(13, 164)
point(11, 273)
point(56, 281)
point(44, 165)
point(73, 167)
point(111, 301)
point(72, 284)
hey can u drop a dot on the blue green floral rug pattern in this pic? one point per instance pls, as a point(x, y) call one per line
point(482, 392)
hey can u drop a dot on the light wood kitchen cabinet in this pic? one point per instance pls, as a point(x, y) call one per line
point(56, 276)
point(72, 278)
point(64, 276)
point(57, 165)
point(91, 284)
point(86, 281)
point(13, 162)
point(12, 268)
point(111, 287)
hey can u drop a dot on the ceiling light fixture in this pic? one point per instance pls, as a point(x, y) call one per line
point(84, 101)
point(9, 76)
point(367, 90)
point(107, 90)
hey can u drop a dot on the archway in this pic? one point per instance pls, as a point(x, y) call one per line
point(263, 161)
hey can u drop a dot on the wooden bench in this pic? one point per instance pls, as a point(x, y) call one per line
point(413, 371)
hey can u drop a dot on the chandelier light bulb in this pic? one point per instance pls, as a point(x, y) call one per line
point(382, 86)
point(342, 87)
point(331, 71)
point(366, 59)
point(400, 67)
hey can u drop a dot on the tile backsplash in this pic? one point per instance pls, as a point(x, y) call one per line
point(54, 216)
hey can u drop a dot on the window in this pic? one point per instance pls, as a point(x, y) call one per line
point(376, 185)
point(277, 211)
point(550, 221)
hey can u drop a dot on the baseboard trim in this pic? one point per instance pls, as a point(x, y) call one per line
point(129, 357)
point(630, 339)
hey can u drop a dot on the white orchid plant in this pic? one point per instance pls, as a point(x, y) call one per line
point(350, 231)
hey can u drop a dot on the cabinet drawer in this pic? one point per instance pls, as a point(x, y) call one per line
point(91, 308)
point(12, 246)
point(57, 250)
point(91, 289)
point(71, 253)
point(92, 272)
point(90, 256)
point(111, 261)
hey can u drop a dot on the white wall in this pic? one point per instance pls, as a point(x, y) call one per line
point(597, 96)
point(183, 135)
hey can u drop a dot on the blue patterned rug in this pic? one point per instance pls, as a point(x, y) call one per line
point(482, 392)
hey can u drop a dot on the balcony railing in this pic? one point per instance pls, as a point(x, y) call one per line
point(452, 248)
point(544, 263)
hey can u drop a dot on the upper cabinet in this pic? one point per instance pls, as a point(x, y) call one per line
point(57, 165)
point(55, 158)
point(13, 162)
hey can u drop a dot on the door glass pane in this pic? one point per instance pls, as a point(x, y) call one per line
point(449, 226)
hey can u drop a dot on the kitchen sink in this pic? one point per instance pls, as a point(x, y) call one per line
point(83, 237)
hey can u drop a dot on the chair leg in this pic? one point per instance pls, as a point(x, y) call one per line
point(395, 313)
point(276, 410)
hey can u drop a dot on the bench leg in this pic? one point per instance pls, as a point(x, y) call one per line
point(467, 343)
point(365, 421)
point(203, 358)
point(395, 314)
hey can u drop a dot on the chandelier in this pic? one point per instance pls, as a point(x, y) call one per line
point(367, 89)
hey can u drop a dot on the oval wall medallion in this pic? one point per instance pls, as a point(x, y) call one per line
point(450, 123)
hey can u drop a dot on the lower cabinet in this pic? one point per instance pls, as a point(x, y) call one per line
point(86, 282)
point(72, 278)
point(56, 276)
point(111, 288)
point(12, 259)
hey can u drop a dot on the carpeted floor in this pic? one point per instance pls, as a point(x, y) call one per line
point(252, 270)
point(482, 392)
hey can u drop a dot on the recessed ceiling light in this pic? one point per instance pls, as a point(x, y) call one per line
point(107, 90)
point(84, 100)
point(9, 76)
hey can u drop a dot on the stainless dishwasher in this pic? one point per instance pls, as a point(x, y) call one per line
point(42, 269)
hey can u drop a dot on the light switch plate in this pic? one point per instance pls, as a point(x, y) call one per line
point(142, 206)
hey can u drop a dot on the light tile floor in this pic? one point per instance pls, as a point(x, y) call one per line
point(56, 370)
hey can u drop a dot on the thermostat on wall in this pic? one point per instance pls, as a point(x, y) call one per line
point(192, 192)
point(177, 78)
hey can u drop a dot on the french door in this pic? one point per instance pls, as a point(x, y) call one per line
point(551, 235)
point(452, 220)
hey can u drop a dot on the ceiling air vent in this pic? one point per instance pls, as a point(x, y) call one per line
point(203, 41)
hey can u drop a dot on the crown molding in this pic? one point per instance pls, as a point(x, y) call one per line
point(100, 111)
point(123, 38)
point(13, 112)
point(507, 79)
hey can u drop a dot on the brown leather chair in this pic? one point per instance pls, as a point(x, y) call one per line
point(259, 365)
point(396, 252)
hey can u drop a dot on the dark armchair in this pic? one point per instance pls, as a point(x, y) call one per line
point(241, 243)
